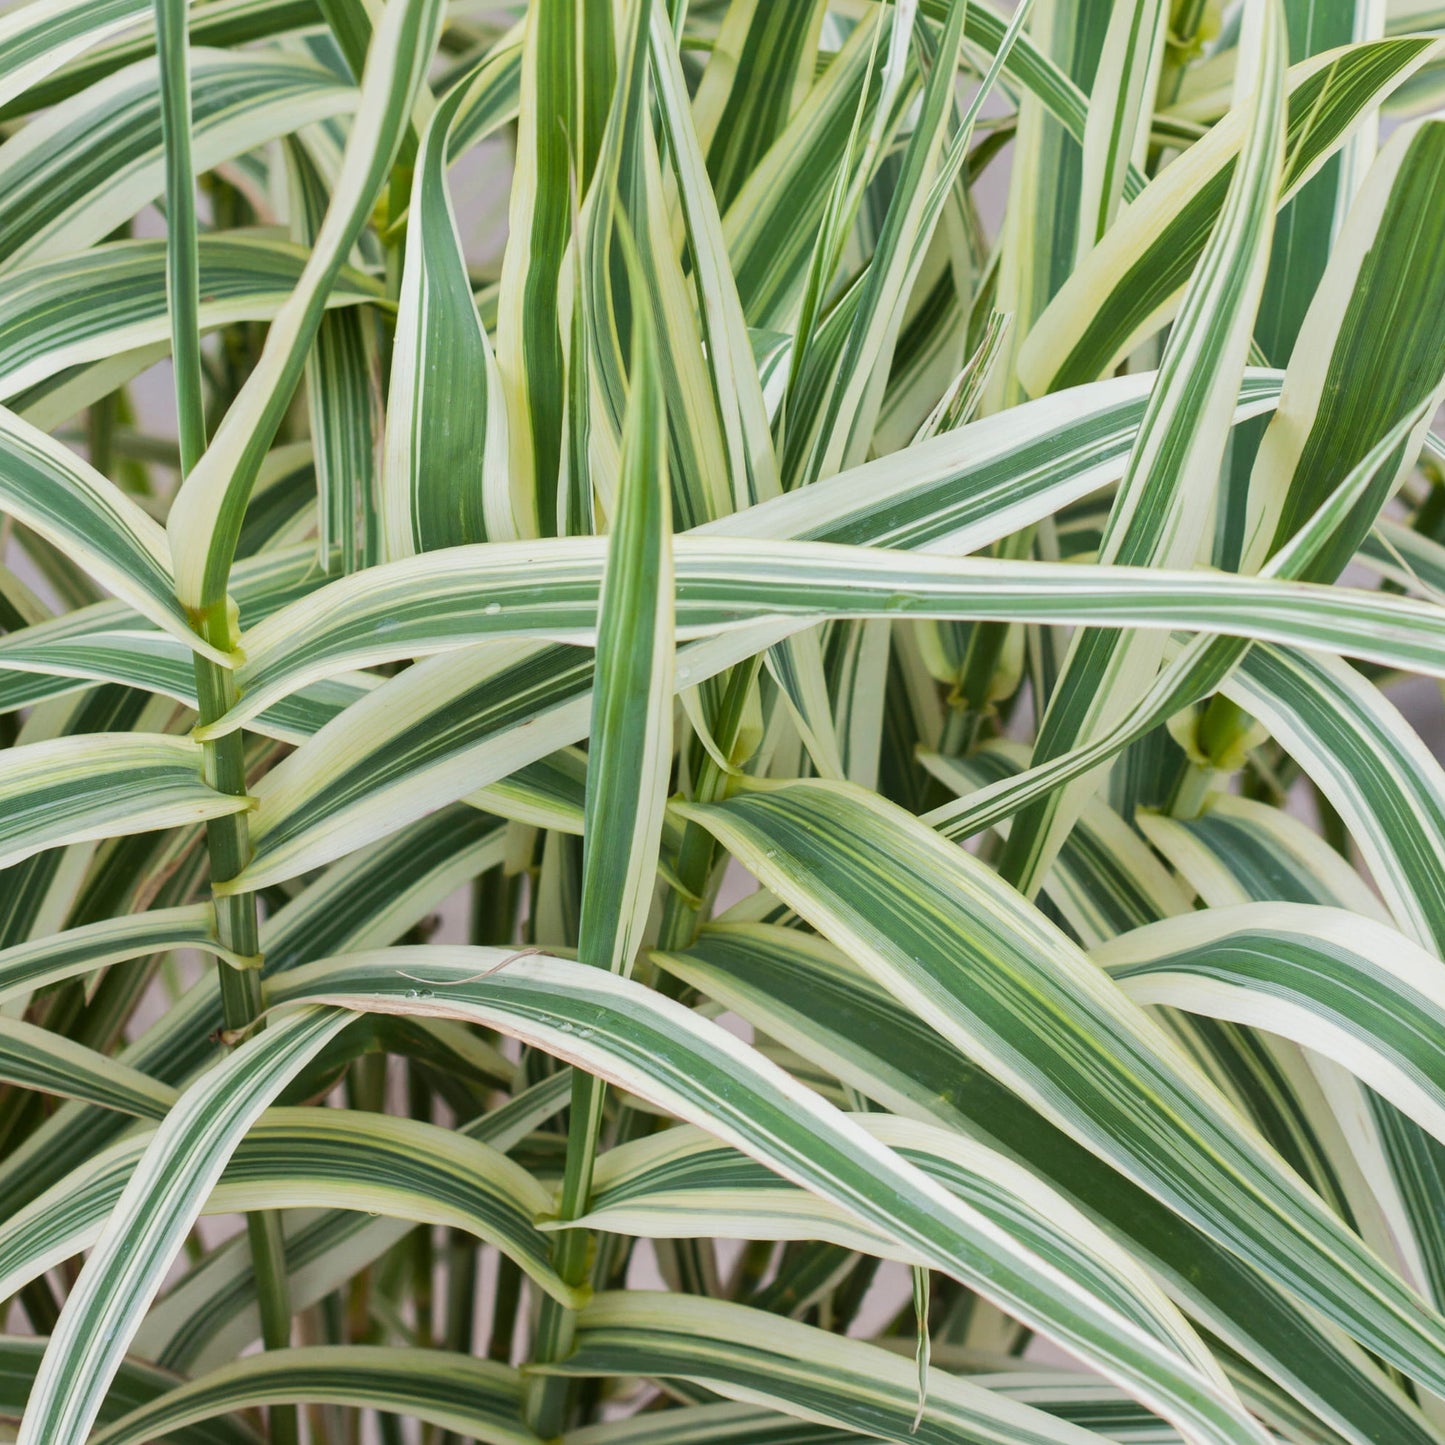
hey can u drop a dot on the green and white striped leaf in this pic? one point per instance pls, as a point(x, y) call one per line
point(46, 486)
point(136, 1386)
point(1105, 880)
point(308, 811)
point(692, 1068)
point(842, 429)
point(25, 967)
point(761, 72)
point(736, 385)
point(1031, 1010)
point(39, 39)
point(343, 403)
point(73, 175)
point(626, 197)
point(35, 1058)
point(963, 490)
point(1307, 227)
point(679, 1184)
point(1041, 226)
point(205, 518)
point(35, 671)
point(101, 785)
point(1370, 763)
point(772, 224)
point(711, 1424)
point(476, 1398)
point(370, 900)
point(568, 64)
point(111, 298)
point(306, 1159)
point(1347, 987)
point(1117, 131)
point(210, 1316)
point(464, 596)
point(150, 1222)
point(629, 758)
point(1062, 1393)
point(796, 988)
point(42, 38)
point(1387, 257)
point(1130, 285)
point(445, 478)
point(1238, 849)
point(748, 1355)
point(1194, 671)
point(1163, 501)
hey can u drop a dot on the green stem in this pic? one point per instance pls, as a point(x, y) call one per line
point(550, 1397)
point(423, 1247)
point(41, 1307)
point(223, 761)
point(228, 840)
point(1222, 726)
point(506, 1299)
point(461, 1299)
point(963, 725)
point(183, 264)
point(681, 913)
point(100, 434)
point(972, 710)
point(1190, 791)
point(1184, 23)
